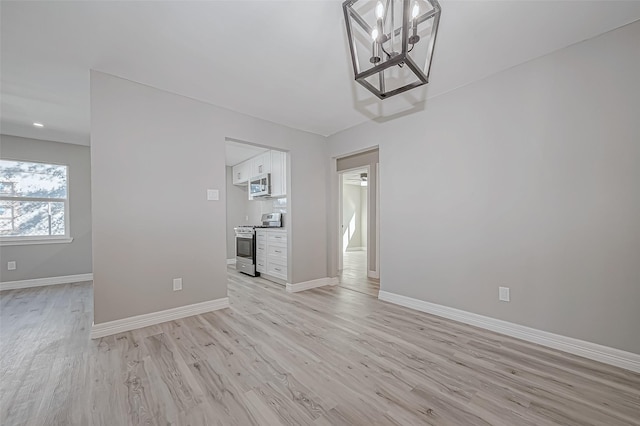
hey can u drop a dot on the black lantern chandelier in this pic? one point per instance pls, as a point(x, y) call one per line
point(391, 42)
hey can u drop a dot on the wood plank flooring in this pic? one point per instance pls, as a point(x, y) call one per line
point(328, 356)
point(354, 274)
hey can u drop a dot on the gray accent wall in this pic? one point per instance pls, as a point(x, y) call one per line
point(62, 259)
point(528, 179)
point(154, 155)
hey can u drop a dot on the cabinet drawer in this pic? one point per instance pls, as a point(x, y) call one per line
point(282, 261)
point(261, 236)
point(261, 249)
point(277, 237)
point(277, 251)
point(277, 270)
point(261, 265)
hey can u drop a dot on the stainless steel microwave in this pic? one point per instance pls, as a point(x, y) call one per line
point(260, 186)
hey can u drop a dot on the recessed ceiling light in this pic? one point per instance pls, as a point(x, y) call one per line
point(38, 124)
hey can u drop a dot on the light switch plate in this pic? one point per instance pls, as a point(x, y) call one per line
point(11, 266)
point(213, 195)
point(503, 294)
point(177, 284)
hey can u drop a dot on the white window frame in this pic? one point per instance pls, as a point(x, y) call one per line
point(40, 239)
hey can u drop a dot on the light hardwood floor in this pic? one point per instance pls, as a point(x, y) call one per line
point(354, 274)
point(329, 356)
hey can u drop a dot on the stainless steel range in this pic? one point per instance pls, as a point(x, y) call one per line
point(246, 242)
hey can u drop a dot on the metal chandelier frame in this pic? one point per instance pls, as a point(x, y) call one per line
point(395, 58)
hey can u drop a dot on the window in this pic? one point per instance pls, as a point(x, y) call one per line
point(34, 202)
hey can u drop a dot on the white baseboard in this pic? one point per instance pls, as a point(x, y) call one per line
point(604, 354)
point(231, 261)
point(306, 285)
point(373, 274)
point(153, 318)
point(40, 282)
point(356, 249)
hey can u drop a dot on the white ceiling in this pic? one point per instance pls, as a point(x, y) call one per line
point(283, 61)
point(237, 152)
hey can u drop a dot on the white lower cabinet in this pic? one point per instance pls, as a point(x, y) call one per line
point(261, 257)
point(277, 270)
point(271, 253)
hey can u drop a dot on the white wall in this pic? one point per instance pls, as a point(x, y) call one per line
point(53, 260)
point(527, 179)
point(154, 155)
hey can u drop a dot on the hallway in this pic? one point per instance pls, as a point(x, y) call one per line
point(354, 275)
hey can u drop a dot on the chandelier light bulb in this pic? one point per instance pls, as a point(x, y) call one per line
point(415, 11)
point(379, 10)
point(374, 34)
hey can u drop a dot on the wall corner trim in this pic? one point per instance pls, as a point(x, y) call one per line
point(593, 351)
point(145, 320)
point(40, 282)
point(307, 285)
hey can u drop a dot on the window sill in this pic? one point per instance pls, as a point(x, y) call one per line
point(35, 241)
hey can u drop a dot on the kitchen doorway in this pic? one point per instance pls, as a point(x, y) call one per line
point(257, 188)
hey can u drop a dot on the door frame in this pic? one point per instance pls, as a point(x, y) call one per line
point(376, 272)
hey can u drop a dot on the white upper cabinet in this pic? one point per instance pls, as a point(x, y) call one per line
point(241, 173)
point(274, 162)
point(261, 164)
point(278, 174)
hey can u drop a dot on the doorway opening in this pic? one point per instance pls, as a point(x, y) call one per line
point(257, 188)
point(358, 228)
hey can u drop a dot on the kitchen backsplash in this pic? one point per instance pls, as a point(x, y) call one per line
point(279, 205)
point(255, 210)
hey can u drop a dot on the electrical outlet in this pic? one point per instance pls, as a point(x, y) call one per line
point(177, 284)
point(11, 266)
point(503, 294)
